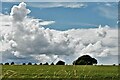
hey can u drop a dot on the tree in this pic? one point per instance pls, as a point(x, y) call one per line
point(23, 64)
point(94, 61)
point(60, 63)
point(12, 63)
point(85, 60)
point(52, 63)
point(6, 63)
point(29, 63)
point(40, 63)
point(35, 64)
point(113, 64)
point(46, 63)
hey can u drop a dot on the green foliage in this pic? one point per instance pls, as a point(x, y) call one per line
point(46, 63)
point(12, 63)
point(60, 63)
point(52, 63)
point(23, 63)
point(29, 63)
point(85, 60)
point(40, 63)
point(6, 63)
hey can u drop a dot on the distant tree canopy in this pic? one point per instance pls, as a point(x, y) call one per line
point(35, 64)
point(60, 63)
point(85, 60)
point(46, 63)
point(82, 60)
point(6, 63)
point(24, 64)
point(52, 63)
point(12, 63)
point(40, 63)
point(29, 63)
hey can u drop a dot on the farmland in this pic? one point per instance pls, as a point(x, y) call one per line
point(63, 72)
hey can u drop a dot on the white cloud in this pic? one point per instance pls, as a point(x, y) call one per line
point(19, 12)
point(46, 23)
point(101, 32)
point(108, 4)
point(105, 52)
point(43, 58)
point(28, 40)
point(58, 4)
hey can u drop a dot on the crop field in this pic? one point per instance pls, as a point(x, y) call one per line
point(60, 72)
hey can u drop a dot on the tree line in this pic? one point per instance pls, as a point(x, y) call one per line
point(29, 63)
point(82, 60)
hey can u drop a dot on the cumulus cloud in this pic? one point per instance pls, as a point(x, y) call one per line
point(101, 32)
point(19, 12)
point(26, 39)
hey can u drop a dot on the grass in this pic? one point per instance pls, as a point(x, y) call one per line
point(59, 72)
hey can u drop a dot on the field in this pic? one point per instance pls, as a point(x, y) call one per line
point(50, 72)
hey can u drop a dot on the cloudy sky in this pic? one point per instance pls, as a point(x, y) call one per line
point(52, 31)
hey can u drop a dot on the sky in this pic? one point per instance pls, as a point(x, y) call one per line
point(72, 15)
point(48, 31)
